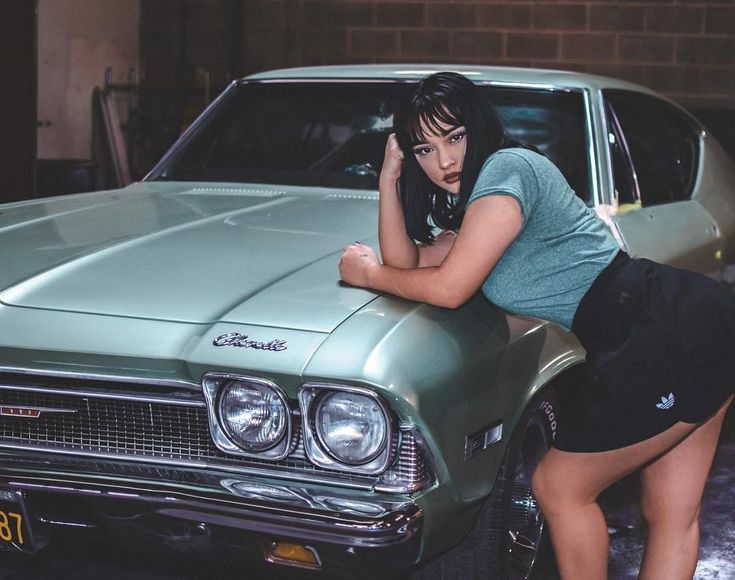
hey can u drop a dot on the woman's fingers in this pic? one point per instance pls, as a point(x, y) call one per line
point(394, 147)
point(393, 160)
point(355, 262)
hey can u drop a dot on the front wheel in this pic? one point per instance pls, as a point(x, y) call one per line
point(508, 541)
point(524, 546)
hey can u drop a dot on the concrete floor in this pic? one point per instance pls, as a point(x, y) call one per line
point(717, 560)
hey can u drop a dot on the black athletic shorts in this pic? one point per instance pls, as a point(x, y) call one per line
point(660, 348)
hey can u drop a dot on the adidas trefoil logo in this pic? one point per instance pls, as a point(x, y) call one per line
point(666, 402)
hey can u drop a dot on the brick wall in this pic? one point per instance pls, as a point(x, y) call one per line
point(685, 49)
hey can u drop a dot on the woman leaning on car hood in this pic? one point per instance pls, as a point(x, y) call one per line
point(514, 228)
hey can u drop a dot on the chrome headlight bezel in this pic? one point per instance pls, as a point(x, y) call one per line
point(311, 396)
point(213, 385)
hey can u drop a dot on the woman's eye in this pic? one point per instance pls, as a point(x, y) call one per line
point(420, 151)
point(458, 136)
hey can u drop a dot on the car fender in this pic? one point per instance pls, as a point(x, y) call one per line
point(450, 374)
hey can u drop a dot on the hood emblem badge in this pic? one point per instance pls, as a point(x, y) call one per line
point(242, 341)
point(29, 412)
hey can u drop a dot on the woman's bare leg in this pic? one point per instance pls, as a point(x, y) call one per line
point(566, 486)
point(671, 497)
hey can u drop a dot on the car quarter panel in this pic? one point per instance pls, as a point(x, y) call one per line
point(714, 190)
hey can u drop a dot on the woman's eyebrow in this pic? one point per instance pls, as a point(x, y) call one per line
point(440, 132)
point(450, 130)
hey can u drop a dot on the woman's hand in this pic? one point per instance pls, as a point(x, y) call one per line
point(392, 161)
point(356, 263)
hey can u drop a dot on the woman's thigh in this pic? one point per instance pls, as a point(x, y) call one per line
point(672, 485)
point(567, 476)
point(564, 476)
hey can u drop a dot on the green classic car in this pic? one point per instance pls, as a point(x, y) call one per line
point(181, 368)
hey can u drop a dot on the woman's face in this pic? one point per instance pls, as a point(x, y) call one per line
point(441, 154)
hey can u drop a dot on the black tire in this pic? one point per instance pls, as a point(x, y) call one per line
point(508, 541)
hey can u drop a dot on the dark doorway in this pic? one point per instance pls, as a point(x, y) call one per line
point(18, 100)
point(190, 51)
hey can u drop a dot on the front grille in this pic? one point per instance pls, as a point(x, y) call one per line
point(108, 426)
point(172, 432)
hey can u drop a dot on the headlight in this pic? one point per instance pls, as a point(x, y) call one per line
point(248, 416)
point(348, 428)
point(253, 415)
point(352, 427)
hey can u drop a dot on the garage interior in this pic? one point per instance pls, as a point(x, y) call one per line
point(97, 90)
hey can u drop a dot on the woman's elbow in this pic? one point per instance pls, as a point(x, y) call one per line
point(451, 298)
point(404, 263)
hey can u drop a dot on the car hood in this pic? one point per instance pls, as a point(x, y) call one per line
point(188, 253)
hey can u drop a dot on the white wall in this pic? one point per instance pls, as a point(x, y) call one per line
point(77, 41)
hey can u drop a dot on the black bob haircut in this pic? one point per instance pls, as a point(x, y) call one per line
point(453, 99)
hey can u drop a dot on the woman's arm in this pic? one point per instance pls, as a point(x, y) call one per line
point(489, 227)
point(433, 254)
point(396, 247)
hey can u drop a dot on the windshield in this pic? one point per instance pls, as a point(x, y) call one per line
point(332, 134)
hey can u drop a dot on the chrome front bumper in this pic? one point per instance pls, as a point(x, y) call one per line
point(347, 528)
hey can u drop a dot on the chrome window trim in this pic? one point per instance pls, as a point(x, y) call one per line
point(323, 80)
point(156, 169)
point(606, 151)
point(522, 85)
point(373, 80)
point(211, 387)
point(617, 130)
point(592, 153)
point(320, 456)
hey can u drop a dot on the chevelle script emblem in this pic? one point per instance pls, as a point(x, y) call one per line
point(30, 412)
point(242, 341)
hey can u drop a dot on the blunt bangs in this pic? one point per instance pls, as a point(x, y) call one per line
point(431, 117)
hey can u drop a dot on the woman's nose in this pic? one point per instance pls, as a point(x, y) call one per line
point(446, 159)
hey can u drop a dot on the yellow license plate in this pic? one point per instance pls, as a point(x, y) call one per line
point(11, 527)
point(15, 528)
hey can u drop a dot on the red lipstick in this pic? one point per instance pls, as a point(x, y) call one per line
point(451, 177)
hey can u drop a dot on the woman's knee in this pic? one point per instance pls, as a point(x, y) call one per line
point(538, 484)
point(670, 513)
point(551, 486)
point(562, 481)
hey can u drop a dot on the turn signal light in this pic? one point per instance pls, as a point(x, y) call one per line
point(293, 555)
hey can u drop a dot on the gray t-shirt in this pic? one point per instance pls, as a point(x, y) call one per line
point(562, 247)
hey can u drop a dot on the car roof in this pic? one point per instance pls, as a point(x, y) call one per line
point(532, 77)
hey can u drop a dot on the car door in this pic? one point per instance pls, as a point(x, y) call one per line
point(654, 154)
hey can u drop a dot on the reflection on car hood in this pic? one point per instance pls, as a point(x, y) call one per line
point(188, 253)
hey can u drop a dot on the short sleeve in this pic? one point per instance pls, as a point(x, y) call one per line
point(508, 172)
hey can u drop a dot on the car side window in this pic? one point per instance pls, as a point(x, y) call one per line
point(554, 123)
point(654, 148)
